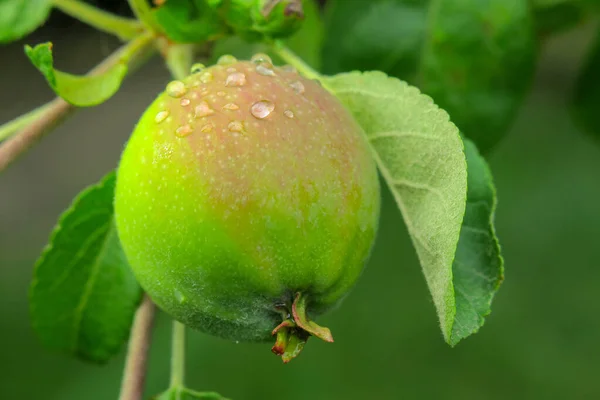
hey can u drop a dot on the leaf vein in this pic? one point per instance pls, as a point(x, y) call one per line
point(89, 285)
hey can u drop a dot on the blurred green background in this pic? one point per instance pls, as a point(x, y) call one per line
point(542, 340)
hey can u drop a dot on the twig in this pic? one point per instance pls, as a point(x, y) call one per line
point(138, 50)
point(17, 145)
point(136, 365)
point(8, 129)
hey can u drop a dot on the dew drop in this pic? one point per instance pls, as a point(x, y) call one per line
point(185, 102)
point(176, 89)
point(161, 116)
point(261, 58)
point(197, 68)
point(235, 126)
point(203, 110)
point(226, 60)
point(288, 113)
point(231, 107)
point(183, 130)
point(236, 79)
point(289, 68)
point(207, 128)
point(298, 87)
point(206, 77)
point(262, 109)
point(265, 71)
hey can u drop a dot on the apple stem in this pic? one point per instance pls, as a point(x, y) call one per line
point(301, 319)
point(292, 334)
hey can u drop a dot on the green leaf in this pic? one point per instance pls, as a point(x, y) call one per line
point(18, 18)
point(478, 266)
point(475, 58)
point(187, 394)
point(420, 155)
point(84, 295)
point(186, 21)
point(586, 99)
point(82, 91)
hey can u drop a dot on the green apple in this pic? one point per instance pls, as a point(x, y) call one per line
point(247, 202)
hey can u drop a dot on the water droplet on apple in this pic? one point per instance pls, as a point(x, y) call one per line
point(262, 109)
point(161, 116)
point(183, 130)
point(231, 107)
point(207, 128)
point(235, 126)
point(203, 110)
point(206, 77)
point(265, 71)
point(197, 68)
point(261, 58)
point(176, 89)
point(298, 87)
point(226, 60)
point(236, 79)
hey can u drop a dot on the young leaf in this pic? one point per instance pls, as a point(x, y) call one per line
point(18, 18)
point(586, 99)
point(84, 295)
point(478, 266)
point(82, 91)
point(475, 58)
point(420, 155)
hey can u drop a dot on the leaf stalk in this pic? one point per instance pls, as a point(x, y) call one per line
point(291, 58)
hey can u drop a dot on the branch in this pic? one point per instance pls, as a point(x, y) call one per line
point(12, 148)
point(136, 52)
point(134, 376)
point(8, 129)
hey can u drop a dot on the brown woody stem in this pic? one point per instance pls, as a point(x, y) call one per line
point(134, 376)
point(134, 53)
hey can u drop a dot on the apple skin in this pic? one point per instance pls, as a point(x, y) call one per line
point(236, 193)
